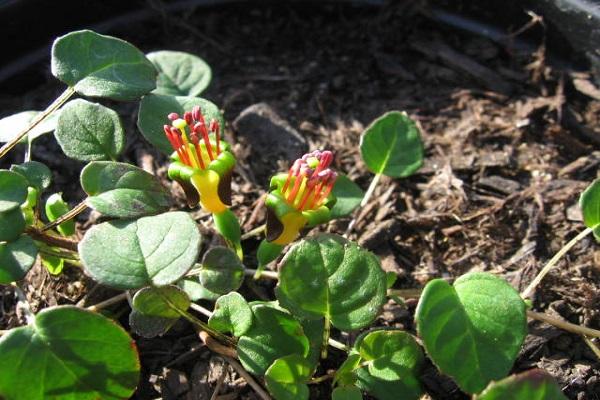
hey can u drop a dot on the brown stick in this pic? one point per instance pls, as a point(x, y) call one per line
point(52, 240)
point(78, 209)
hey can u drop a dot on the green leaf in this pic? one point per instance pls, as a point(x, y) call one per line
point(328, 276)
point(286, 378)
point(53, 264)
point(232, 314)
point(155, 108)
point(38, 175)
point(179, 73)
point(313, 329)
point(148, 326)
point(122, 190)
point(89, 131)
point(12, 125)
point(16, 259)
point(12, 224)
point(392, 145)
point(345, 375)
point(589, 201)
point(273, 334)
point(346, 393)
point(194, 289)
point(68, 353)
point(13, 190)
point(534, 384)
point(55, 208)
point(102, 66)
point(390, 278)
point(348, 195)
point(155, 250)
point(480, 320)
point(394, 360)
point(222, 271)
point(161, 301)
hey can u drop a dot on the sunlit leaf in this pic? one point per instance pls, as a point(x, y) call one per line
point(179, 73)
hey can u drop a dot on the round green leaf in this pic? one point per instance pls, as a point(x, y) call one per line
point(68, 353)
point(534, 384)
point(481, 320)
point(286, 378)
point(273, 334)
point(155, 108)
point(89, 131)
point(53, 264)
point(392, 145)
point(122, 190)
point(37, 174)
point(328, 276)
point(589, 201)
point(346, 393)
point(102, 66)
point(55, 208)
point(12, 224)
point(232, 314)
point(222, 271)
point(155, 250)
point(180, 73)
point(12, 125)
point(16, 259)
point(161, 301)
point(393, 360)
point(348, 195)
point(13, 190)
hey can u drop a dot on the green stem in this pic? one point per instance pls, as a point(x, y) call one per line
point(529, 290)
point(337, 345)
point(326, 333)
point(254, 232)
point(56, 104)
point(75, 211)
point(363, 203)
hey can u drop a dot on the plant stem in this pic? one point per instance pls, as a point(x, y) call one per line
point(567, 326)
point(325, 342)
point(23, 303)
point(109, 302)
point(265, 274)
point(363, 203)
point(254, 232)
point(59, 101)
point(75, 211)
point(529, 290)
point(201, 310)
point(592, 346)
point(405, 293)
point(52, 240)
point(337, 345)
point(244, 374)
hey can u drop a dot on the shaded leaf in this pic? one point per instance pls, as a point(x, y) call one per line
point(222, 271)
point(89, 131)
point(38, 175)
point(180, 73)
point(348, 195)
point(68, 353)
point(345, 282)
point(16, 259)
point(13, 190)
point(480, 320)
point(127, 254)
point(149, 326)
point(12, 224)
point(122, 190)
point(346, 393)
point(194, 289)
point(102, 66)
point(392, 145)
point(161, 301)
point(155, 108)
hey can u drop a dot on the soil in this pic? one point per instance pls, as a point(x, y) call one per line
point(511, 141)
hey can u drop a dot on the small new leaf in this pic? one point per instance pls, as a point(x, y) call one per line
point(222, 271)
point(232, 314)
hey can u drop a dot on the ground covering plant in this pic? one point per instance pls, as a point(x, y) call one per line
point(472, 329)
